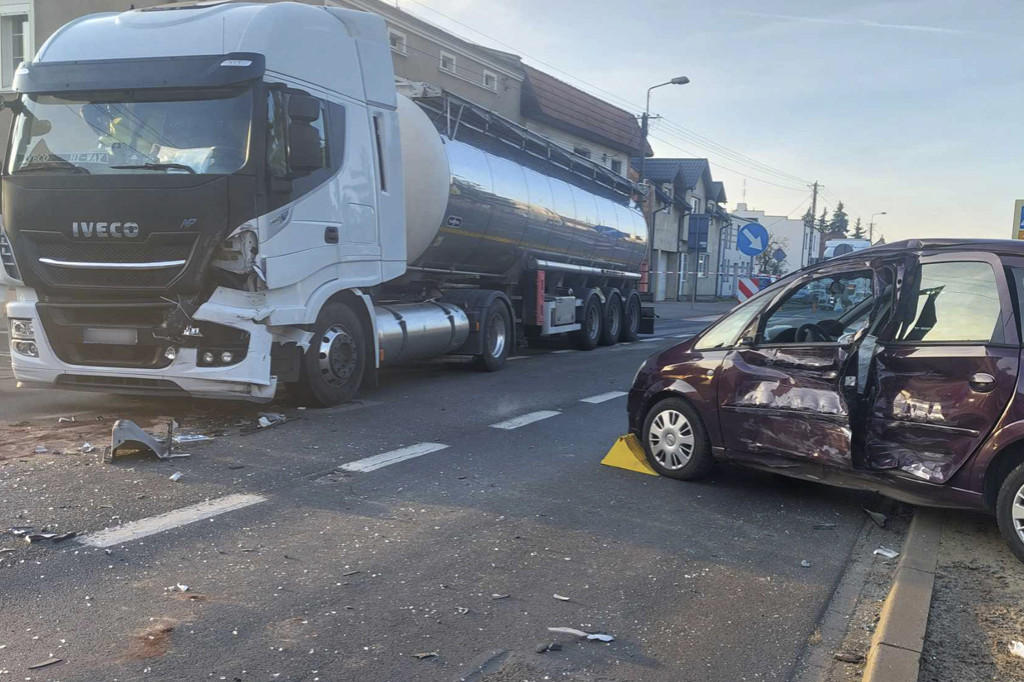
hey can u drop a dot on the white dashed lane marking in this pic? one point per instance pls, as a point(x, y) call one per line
point(394, 457)
point(603, 397)
point(525, 419)
point(173, 519)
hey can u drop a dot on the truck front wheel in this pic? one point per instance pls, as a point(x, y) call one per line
point(334, 364)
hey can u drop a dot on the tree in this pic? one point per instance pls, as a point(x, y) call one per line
point(809, 218)
point(765, 261)
point(822, 225)
point(840, 222)
point(858, 230)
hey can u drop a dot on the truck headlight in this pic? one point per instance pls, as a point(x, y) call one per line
point(27, 348)
point(22, 329)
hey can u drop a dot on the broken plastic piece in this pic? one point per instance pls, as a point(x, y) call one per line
point(65, 420)
point(87, 447)
point(886, 552)
point(127, 431)
point(47, 662)
point(36, 537)
point(268, 419)
point(426, 654)
point(176, 476)
point(64, 536)
point(560, 597)
point(19, 531)
point(1017, 648)
point(500, 596)
point(805, 563)
point(190, 438)
point(182, 588)
point(592, 636)
point(40, 449)
point(879, 519)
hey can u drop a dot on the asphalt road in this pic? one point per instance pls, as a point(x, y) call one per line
point(328, 574)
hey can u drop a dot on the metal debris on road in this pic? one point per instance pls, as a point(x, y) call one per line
point(805, 563)
point(580, 634)
point(878, 518)
point(47, 662)
point(886, 552)
point(1017, 648)
point(426, 654)
point(176, 476)
point(560, 597)
point(268, 419)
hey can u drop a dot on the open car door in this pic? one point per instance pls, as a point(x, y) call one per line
point(944, 369)
point(785, 393)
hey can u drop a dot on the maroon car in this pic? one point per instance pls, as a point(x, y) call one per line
point(893, 369)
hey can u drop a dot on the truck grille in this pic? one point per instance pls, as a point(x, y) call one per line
point(80, 255)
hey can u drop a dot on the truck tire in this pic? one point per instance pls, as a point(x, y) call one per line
point(333, 366)
point(611, 328)
point(589, 334)
point(1011, 525)
point(496, 332)
point(631, 319)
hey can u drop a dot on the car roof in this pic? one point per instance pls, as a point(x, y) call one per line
point(1007, 246)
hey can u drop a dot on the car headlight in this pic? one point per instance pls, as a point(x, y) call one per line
point(22, 329)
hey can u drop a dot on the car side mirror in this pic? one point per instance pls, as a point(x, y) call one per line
point(746, 341)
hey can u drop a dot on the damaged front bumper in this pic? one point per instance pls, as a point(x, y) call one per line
point(181, 371)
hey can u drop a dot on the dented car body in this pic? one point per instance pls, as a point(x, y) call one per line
point(904, 379)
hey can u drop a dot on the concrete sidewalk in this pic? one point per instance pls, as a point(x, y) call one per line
point(684, 310)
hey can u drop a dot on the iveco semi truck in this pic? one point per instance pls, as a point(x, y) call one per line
point(214, 200)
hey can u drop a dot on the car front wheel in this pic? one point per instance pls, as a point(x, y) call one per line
point(675, 441)
point(1010, 510)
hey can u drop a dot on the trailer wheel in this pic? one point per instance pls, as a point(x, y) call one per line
point(497, 338)
point(631, 319)
point(589, 334)
point(612, 327)
point(333, 366)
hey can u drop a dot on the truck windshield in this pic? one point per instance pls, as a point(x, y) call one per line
point(113, 133)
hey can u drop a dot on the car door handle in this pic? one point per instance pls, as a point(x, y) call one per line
point(982, 382)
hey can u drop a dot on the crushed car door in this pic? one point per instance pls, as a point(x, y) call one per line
point(945, 369)
point(785, 392)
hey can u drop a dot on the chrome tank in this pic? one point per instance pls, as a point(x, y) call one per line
point(415, 331)
point(498, 210)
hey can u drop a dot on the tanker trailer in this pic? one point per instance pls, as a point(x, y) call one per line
point(215, 207)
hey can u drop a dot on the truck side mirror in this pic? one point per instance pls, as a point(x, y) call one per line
point(305, 146)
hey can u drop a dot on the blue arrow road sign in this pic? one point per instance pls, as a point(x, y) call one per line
point(752, 239)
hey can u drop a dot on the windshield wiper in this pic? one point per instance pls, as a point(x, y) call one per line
point(52, 165)
point(158, 166)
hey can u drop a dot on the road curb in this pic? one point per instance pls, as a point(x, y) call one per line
point(895, 654)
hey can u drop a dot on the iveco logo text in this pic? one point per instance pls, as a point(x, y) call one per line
point(103, 230)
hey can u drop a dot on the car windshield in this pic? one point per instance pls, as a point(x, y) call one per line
point(112, 133)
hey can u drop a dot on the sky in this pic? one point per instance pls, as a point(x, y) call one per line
point(910, 107)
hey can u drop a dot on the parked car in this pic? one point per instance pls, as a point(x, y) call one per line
point(905, 381)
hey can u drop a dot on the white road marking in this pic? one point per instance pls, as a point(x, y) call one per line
point(603, 397)
point(564, 350)
point(394, 457)
point(134, 530)
point(525, 419)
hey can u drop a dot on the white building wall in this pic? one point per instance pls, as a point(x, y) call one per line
point(598, 153)
point(803, 242)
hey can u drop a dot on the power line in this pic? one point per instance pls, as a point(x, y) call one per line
point(732, 170)
point(694, 138)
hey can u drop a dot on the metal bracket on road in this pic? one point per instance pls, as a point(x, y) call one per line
point(127, 432)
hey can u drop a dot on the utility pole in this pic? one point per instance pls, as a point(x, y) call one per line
point(814, 199)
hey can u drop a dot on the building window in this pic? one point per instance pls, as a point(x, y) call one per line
point(13, 36)
point(448, 62)
point(696, 205)
point(616, 166)
point(702, 265)
point(397, 40)
point(580, 151)
point(490, 81)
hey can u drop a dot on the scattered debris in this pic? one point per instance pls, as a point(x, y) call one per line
point(189, 438)
point(829, 525)
point(5, 550)
point(182, 588)
point(348, 573)
point(128, 434)
point(592, 636)
point(461, 610)
point(44, 664)
point(886, 552)
point(66, 420)
point(543, 648)
point(878, 518)
point(426, 654)
point(560, 597)
point(236, 466)
point(1017, 648)
point(87, 447)
point(19, 531)
point(805, 563)
point(41, 449)
point(65, 536)
point(500, 596)
point(848, 657)
point(268, 419)
point(176, 476)
point(38, 537)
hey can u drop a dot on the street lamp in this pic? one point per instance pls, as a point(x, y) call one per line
point(678, 80)
point(871, 226)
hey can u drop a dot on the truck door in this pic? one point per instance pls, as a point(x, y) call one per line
point(786, 392)
point(944, 371)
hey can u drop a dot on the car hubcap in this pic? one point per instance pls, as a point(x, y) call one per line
point(614, 320)
point(671, 440)
point(496, 335)
point(1017, 513)
point(593, 321)
point(337, 356)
